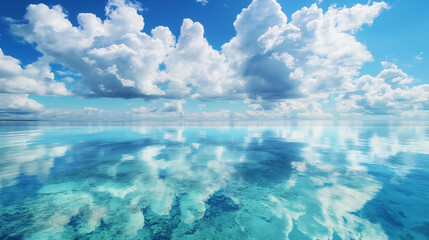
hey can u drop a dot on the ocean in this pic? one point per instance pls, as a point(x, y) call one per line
point(256, 180)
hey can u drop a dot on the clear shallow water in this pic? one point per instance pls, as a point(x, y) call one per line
point(297, 181)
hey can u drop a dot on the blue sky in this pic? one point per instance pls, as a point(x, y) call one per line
point(241, 59)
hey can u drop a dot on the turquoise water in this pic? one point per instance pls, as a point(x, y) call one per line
point(293, 181)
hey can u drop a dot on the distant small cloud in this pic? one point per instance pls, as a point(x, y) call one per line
point(203, 2)
point(201, 106)
point(8, 20)
point(173, 106)
point(92, 109)
point(419, 57)
point(68, 79)
point(67, 73)
point(141, 109)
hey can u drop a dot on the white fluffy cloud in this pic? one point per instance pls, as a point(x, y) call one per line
point(314, 52)
point(386, 94)
point(290, 108)
point(268, 58)
point(116, 59)
point(35, 78)
point(18, 104)
point(195, 69)
point(288, 66)
point(173, 106)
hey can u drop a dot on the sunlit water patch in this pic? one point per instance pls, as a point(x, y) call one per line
point(250, 182)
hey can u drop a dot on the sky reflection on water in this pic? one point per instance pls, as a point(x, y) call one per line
point(205, 182)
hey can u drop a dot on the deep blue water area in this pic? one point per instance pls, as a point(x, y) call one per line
point(303, 180)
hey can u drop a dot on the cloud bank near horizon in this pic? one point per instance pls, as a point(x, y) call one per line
point(280, 67)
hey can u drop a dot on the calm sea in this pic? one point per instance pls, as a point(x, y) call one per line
point(285, 180)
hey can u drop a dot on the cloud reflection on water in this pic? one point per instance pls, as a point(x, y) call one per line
point(196, 182)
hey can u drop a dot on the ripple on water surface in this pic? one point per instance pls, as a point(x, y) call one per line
point(277, 182)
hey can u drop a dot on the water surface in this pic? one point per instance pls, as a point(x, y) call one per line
point(291, 181)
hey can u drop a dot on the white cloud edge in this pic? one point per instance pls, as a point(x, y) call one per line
point(195, 29)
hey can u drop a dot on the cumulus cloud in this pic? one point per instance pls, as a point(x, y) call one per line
point(387, 93)
point(268, 58)
point(116, 59)
point(35, 78)
point(173, 106)
point(113, 56)
point(314, 52)
point(281, 67)
point(195, 69)
point(289, 108)
point(18, 104)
